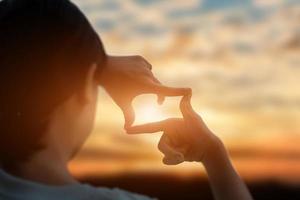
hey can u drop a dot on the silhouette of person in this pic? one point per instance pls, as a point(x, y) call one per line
point(52, 63)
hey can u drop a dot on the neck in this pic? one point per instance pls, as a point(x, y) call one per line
point(45, 167)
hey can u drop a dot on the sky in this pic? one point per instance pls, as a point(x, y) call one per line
point(240, 57)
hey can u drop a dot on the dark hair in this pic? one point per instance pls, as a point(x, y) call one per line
point(46, 47)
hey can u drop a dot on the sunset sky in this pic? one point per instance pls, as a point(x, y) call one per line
point(240, 57)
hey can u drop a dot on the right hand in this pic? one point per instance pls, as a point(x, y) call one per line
point(183, 139)
point(125, 77)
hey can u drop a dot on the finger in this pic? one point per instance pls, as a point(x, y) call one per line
point(169, 91)
point(162, 90)
point(186, 107)
point(189, 155)
point(171, 161)
point(160, 98)
point(129, 115)
point(175, 133)
point(166, 148)
point(147, 128)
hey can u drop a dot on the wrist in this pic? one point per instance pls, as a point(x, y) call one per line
point(214, 151)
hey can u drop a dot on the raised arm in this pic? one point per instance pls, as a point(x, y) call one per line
point(189, 139)
point(224, 180)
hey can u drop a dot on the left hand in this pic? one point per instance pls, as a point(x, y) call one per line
point(125, 77)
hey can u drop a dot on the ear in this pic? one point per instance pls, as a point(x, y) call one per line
point(87, 93)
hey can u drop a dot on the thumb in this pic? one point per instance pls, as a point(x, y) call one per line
point(186, 107)
point(160, 97)
point(129, 114)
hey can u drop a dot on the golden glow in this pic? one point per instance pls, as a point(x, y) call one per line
point(148, 113)
point(244, 75)
point(147, 110)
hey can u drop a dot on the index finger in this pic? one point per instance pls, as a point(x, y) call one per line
point(158, 88)
point(129, 115)
point(147, 128)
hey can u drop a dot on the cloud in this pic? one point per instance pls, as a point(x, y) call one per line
point(268, 3)
point(239, 59)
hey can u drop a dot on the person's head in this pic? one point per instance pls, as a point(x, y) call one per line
point(50, 58)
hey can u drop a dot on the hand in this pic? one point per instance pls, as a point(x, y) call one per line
point(186, 139)
point(189, 139)
point(126, 77)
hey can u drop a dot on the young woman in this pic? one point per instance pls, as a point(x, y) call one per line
point(51, 63)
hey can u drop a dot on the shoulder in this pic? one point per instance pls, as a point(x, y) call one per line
point(115, 194)
point(123, 194)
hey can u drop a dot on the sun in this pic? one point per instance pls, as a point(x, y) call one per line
point(148, 113)
point(147, 110)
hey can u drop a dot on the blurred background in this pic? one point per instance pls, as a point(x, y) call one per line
point(242, 60)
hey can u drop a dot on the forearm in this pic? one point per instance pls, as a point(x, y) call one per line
point(225, 182)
